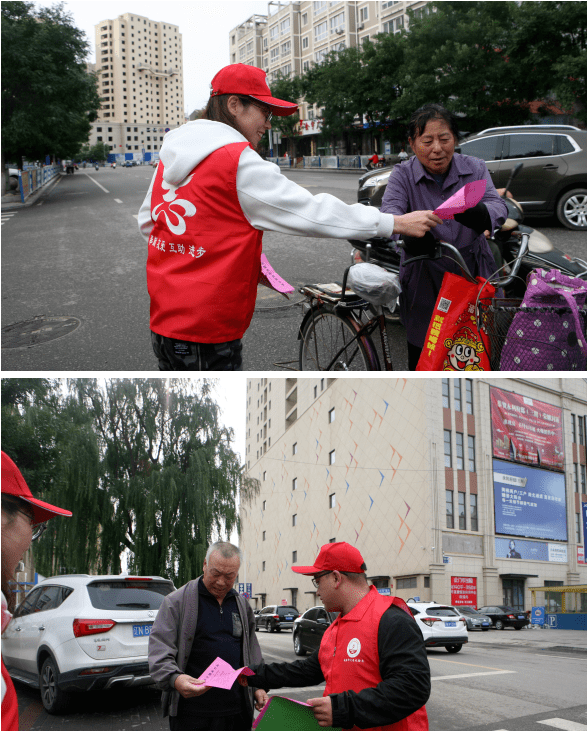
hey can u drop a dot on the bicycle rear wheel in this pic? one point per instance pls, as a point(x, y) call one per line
point(329, 342)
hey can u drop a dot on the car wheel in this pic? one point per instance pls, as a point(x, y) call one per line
point(453, 648)
point(499, 624)
point(256, 627)
point(485, 629)
point(298, 649)
point(269, 627)
point(518, 628)
point(54, 699)
point(571, 209)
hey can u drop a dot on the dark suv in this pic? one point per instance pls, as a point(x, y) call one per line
point(275, 617)
point(553, 178)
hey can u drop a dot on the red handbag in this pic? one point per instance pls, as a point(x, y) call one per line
point(454, 342)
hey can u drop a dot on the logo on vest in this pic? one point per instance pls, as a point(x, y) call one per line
point(175, 222)
point(354, 647)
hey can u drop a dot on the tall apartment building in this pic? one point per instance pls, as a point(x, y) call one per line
point(141, 83)
point(299, 34)
point(445, 485)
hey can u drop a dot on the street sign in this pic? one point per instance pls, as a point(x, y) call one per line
point(249, 589)
point(538, 615)
point(241, 588)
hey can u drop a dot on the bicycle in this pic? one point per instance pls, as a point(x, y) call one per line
point(335, 333)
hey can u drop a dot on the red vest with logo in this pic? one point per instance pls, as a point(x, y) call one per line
point(9, 704)
point(204, 256)
point(349, 656)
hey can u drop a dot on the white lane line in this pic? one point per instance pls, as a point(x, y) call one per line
point(136, 215)
point(564, 725)
point(473, 675)
point(117, 200)
point(97, 183)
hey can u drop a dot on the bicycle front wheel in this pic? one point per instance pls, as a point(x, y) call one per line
point(329, 342)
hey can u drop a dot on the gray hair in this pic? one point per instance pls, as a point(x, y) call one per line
point(226, 550)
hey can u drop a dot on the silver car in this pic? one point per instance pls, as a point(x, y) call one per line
point(473, 618)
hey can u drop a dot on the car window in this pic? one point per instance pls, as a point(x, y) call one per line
point(508, 610)
point(486, 148)
point(125, 595)
point(26, 606)
point(565, 145)
point(414, 610)
point(467, 610)
point(49, 598)
point(311, 614)
point(282, 611)
point(530, 145)
point(442, 612)
point(322, 614)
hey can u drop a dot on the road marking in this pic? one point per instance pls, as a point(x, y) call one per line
point(40, 203)
point(117, 200)
point(97, 183)
point(561, 657)
point(473, 675)
point(469, 664)
point(564, 725)
point(136, 215)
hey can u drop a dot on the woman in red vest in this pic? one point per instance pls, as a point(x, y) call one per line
point(372, 657)
point(23, 521)
point(209, 202)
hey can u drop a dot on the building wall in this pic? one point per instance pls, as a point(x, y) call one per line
point(389, 483)
point(140, 79)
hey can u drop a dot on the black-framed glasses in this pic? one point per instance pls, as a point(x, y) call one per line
point(268, 113)
point(318, 577)
point(37, 528)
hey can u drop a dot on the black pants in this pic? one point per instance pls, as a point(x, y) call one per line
point(184, 355)
point(218, 723)
point(414, 353)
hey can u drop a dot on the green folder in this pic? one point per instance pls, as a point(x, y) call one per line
point(283, 714)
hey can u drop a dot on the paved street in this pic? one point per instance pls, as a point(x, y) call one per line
point(531, 680)
point(76, 255)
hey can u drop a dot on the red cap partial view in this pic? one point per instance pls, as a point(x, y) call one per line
point(13, 483)
point(335, 557)
point(239, 78)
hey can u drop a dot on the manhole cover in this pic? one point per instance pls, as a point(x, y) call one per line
point(37, 331)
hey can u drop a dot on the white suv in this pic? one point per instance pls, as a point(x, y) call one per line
point(81, 632)
point(440, 624)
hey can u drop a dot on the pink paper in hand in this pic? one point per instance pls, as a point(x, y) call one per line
point(466, 197)
point(219, 674)
point(269, 278)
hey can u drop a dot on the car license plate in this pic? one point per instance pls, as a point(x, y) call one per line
point(451, 624)
point(485, 624)
point(522, 616)
point(289, 617)
point(142, 630)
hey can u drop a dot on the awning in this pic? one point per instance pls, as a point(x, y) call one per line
point(519, 576)
point(378, 578)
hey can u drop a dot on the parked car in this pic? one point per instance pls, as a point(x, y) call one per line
point(309, 629)
point(275, 618)
point(504, 616)
point(441, 625)
point(81, 632)
point(473, 618)
point(553, 178)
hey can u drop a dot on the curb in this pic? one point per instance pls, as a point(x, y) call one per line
point(552, 648)
point(33, 198)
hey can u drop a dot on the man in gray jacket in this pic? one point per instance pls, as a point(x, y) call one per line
point(199, 622)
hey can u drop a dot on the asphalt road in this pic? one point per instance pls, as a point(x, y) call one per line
point(77, 253)
point(486, 687)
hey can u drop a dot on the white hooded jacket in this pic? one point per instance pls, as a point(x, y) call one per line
point(269, 201)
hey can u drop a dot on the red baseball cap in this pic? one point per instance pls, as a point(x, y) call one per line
point(335, 557)
point(239, 78)
point(13, 484)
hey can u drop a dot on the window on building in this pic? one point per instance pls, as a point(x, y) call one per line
point(274, 54)
point(445, 392)
point(294, 519)
point(320, 31)
point(294, 483)
point(295, 448)
point(331, 415)
point(263, 536)
point(263, 566)
point(461, 510)
point(332, 457)
point(408, 582)
point(264, 476)
point(337, 22)
point(315, 391)
point(459, 451)
point(582, 430)
point(457, 394)
point(332, 540)
point(449, 507)
point(469, 396)
point(304, 42)
point(363, 14)
point(575, 476)
point(294, 556)
point(332, 502)
point(287, 48)
point(573, 428)
point(318, 7)
point(285, 26)
point(473, 512)
point(579, 532)
point(447, 447)
point(471, 453)
point(583, 479)
point(304, 18)
point(263, 505)
point(274, 32)
point(322, 384)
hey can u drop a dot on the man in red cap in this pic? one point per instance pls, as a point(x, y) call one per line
point(23, 521)
point(210, 200)
point(372, 657)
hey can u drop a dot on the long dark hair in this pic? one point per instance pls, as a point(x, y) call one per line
point(217, 109)
point(419, 120)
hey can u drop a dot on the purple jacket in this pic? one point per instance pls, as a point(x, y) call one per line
point(412, 188)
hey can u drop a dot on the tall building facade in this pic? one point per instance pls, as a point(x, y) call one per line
point(450, 488)
point(299, 34)
point(140, 79)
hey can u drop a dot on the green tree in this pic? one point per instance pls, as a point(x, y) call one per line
point(288, 88)
point(99, 151)
point(48, 97)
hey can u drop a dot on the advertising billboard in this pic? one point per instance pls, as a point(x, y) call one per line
point(526, 430)
point(529, 502)
point(464, 591)
point(530, 550)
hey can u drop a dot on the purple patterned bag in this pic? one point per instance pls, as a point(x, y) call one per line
point(548, 333)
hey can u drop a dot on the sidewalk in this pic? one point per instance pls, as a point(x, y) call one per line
point(562, 640)
point(11, 201)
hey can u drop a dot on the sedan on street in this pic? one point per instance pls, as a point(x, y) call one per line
point(504, 616)
point(309, 629)
point(473, 618)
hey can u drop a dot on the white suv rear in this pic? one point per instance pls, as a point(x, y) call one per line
point(440, 624)
point(81, 632)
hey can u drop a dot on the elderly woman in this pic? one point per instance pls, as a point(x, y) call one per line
point(425, 181)
point(23, 521)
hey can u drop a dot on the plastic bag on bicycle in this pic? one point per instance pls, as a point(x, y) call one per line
point(453, 341)
point(374, 284)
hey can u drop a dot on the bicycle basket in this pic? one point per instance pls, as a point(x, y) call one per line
point(373, 283)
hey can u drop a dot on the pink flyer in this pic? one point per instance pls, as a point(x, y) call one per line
point(467, 197)
point(269, 278)
point(219, 674)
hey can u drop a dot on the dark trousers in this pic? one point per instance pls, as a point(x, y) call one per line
point(218, 723)
point(184, 355)
point(414, 353)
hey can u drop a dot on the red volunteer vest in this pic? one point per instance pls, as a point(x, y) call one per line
point(204, 256)
point(349, 656)
point(9, 704)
